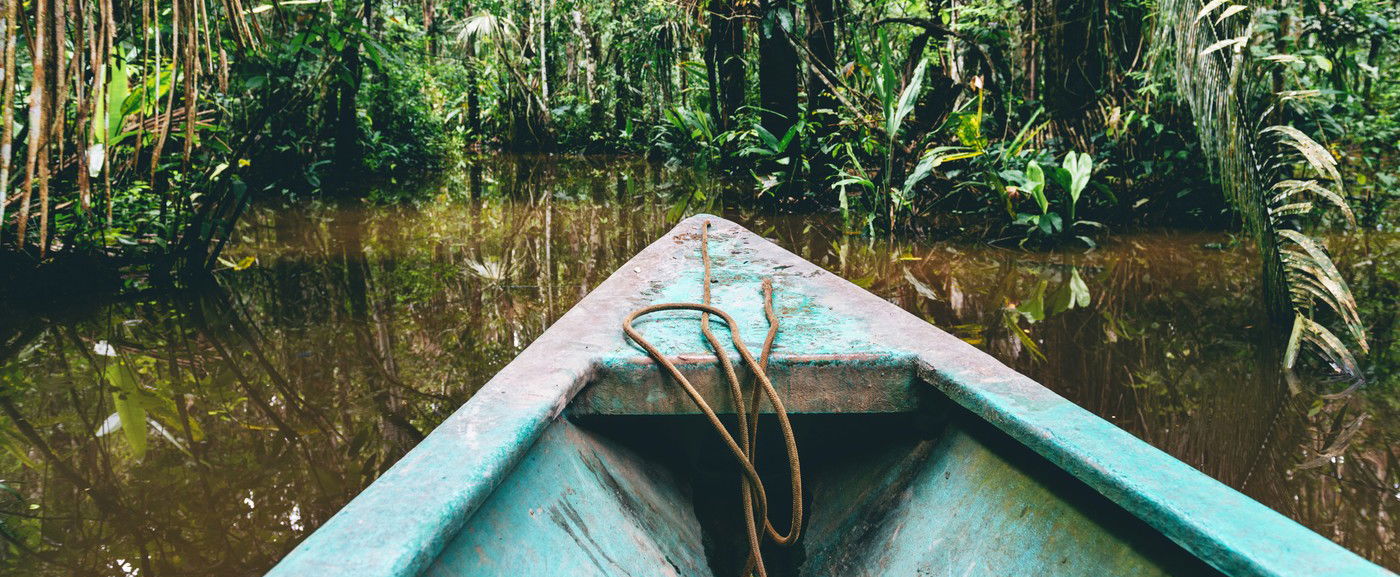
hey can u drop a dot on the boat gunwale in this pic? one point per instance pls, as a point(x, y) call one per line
point(399, 524)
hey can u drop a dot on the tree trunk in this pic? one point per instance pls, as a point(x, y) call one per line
point(725, 55)
point(7, 122)
point(347, 124)
point(1074, 65)
point(821, 41)
point(545, 63)
point(36, 117)
point(777, 68)
point(430, 26)
point(620, 108)
point(473, 92)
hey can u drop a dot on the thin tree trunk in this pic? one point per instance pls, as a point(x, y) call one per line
point(347, 137)
point(620, 94)
point(109, 34)
point(7, 132)
point(163, 121)
point(1032, 56)
point(429, 26)
point(60, 78)
point(473, 81)
point(36, 117)
point(473, 92)
point(191, 89)
point(544, 55)
point(82, 128)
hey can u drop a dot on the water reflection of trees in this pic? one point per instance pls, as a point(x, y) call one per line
point(1170, 347)
point(287, 387)
point(294, 383)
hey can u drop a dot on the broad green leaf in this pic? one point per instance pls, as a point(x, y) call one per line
point(1079, 291)
point(1035, 185)
point(1080, 167)
point(907, 99)
point(114, 113)
point(1034, 307)
point(126, 399)
point(921, 171)
point(133, 422)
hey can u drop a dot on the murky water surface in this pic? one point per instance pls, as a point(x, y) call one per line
point(339, 336)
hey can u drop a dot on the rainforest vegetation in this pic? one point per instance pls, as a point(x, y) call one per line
point(141, 130)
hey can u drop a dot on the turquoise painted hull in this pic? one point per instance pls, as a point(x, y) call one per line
point(921, 456)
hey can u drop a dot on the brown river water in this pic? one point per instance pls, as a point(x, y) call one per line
point(337, 336)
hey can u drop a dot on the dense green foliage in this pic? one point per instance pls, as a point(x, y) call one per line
point(925, 116)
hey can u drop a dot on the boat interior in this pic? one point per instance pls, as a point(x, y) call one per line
point(916, 487)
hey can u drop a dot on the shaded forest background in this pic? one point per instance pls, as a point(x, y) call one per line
point(158, 120)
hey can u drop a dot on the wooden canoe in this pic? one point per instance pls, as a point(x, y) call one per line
point(921, 455)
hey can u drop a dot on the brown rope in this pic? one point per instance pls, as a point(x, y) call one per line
point(755, 499)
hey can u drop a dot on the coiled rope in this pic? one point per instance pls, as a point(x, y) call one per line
point(755, 499)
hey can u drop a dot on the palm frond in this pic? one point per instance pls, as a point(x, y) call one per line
point(1290, 190)
point(1315, 154)
point(1258, 169)
point(490, 270)
point(1331, 347)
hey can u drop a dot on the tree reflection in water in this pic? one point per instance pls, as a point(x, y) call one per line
point(265, 400)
